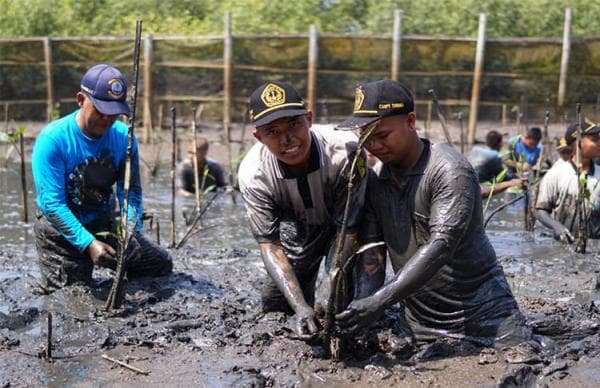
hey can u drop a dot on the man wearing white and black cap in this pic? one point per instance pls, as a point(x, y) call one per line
point(426, 206)
point(76, 162)
point(294, 184)
point(556, 205)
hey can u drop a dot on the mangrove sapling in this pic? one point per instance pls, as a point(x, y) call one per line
point(197, 187)
point(195, 226)
point(440, 116)
point(173, 172)
point(13, 139)
point(116, 292)
point(497, 179)
point(538, 169)
point(335, 302)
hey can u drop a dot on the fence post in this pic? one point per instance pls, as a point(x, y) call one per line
point(147, 118)
point(313, 58)
point(49, 83)
point(227, 54)
point(479, 53)
point(564, 62)
point(396, 44)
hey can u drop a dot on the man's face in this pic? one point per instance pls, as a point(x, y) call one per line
point(287, 138)
point(529, 142)
point(590, 146)
point(391, 137)
point(95, 124)
point(201, 154)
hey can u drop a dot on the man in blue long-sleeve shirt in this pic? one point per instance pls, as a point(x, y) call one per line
point(76, 162)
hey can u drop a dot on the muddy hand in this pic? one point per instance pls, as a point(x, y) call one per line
point(307, 325)
point(101, 253)
point(358, 315)
point(563, 234)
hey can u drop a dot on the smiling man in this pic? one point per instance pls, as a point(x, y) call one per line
point(426, 206)
point(294, 183)
point(76, 161)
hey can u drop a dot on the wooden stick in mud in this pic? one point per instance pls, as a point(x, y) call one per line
point(195, 159)
point(49, 338)
point(125, 365)
point(25, 215)
point(440, 115)
point(332, 343)
point(581, 244)
point(116, 291)
point(538, 170)
point(462, 133)
point(173, 172)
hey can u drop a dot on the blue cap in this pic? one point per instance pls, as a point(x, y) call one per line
point(107, 89)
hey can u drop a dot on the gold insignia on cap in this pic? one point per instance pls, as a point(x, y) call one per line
point(562, 142)
point(273, 95)
point(358, 99)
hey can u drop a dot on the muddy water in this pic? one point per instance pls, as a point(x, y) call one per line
point(202, 326)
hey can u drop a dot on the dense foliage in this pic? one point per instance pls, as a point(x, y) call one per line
point(539, 18)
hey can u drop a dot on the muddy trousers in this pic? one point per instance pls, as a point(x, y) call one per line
point(62, 264)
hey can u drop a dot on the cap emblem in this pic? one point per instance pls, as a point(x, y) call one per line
point(115, 88)
point(358, 99)
point(273, 95)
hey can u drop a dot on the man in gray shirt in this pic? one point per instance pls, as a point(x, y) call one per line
point(294, 184)
point(426, 206)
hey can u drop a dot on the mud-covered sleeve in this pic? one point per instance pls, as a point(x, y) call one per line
point(262, 213)
point(180, 176)
point(134, 205)
point(548, 194)
point(359, 189)
point(49, 174)
point(453, 198)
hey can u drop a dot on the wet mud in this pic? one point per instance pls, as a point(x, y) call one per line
point(203, 326)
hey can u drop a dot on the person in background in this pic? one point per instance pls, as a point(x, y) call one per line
point(210, 172)
point(522, 151)
point(76, 162)
point(556, 205)
point(294, 182)
point(488, 165)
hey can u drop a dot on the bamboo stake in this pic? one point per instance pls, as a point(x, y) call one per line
point(195, 160)
point(173, 172)
point(581, 245)
point(125, 365)
point(462, 133)
point(25, 215)
point(49, 338)
point(440, 115)
point(116, 292)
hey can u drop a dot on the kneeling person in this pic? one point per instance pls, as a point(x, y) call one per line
point(76, 162)
point(426, 206)
point(294, 184)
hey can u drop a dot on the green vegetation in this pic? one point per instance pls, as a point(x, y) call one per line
point(539, 18)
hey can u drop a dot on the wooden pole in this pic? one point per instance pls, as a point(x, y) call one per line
point(49, 83)
point(49, 337)
point(503, 115)
point(173, 172)
point(477, 79)
point(25, 216)
point(564, 62)
point(147, 115)
point(313, 55)
point(428, 120)
point(396, 44)
point(227, 61)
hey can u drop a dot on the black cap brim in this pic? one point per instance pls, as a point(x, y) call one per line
point(109, 108)
point(356, 122)
point(279, 114)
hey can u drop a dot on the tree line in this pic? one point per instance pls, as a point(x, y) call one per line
point(506, 18)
